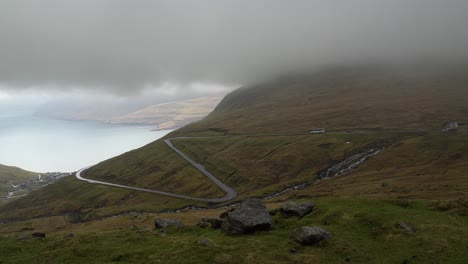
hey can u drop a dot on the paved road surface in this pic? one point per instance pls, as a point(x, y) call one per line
point(230, 192)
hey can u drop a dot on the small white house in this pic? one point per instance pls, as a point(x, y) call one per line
point(317, 131)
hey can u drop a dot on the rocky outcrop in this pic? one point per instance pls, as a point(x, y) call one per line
point(290, 209)
point(215, 223)
point(309, 235)
point(38, 234)
point(250, 217)
point(163, 223)
point(203, 224)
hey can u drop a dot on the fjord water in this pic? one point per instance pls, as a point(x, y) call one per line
point(43, 145)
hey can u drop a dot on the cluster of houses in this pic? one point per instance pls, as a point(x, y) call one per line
point(41, 180)
point(453, 126)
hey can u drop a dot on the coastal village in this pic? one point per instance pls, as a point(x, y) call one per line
point(40, 180)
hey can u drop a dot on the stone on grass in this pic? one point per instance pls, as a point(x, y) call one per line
point(250, 217)
point(203, 223)
point(203, 241)
point(309, 235)
point(296, 209)
point(407, 227)
point(38, 234)
point(163, 223)
point(215, 222)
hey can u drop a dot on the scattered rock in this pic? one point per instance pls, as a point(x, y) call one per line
point(309, 235)
point(38, 234)
point(69, 235)
point(252, 216)
point(274, 212)
point(203, 241)
point(296, 209)
point(407, 227)
point(215, 222)
point(225, 214)
point(203, 224)
point(163, 223)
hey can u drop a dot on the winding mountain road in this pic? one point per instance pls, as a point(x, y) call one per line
point(230, 192)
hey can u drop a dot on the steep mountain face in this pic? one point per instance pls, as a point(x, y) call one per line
point(409, 97)
point(377, 98)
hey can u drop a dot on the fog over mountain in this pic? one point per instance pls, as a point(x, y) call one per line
point(127, 47)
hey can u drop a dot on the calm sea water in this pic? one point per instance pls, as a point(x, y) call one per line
point(43, 145)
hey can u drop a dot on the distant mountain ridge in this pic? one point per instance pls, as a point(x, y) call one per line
point(171, 115)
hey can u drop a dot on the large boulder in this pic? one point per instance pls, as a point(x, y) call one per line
point(252, 216)
point(296, 209)
point(309, 235)
point(163, 223)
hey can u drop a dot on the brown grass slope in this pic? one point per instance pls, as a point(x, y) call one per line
point(391, 97)
point(431, 166)
point(261, 166)
point(155, 166)
point(387, 98)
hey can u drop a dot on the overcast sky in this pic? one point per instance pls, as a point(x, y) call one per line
point(125, 47)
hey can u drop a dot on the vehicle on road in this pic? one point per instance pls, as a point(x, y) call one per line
point(317, 131)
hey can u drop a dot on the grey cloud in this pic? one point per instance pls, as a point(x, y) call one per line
point(124, 45)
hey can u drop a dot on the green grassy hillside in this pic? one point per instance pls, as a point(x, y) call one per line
point(157, 167)
point(12, 175)
point(387, 98)
point(364, 231)
point(418, 177)
point(426, 165)
point(421, 98)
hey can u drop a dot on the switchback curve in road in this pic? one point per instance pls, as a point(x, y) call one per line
point(230, 192)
